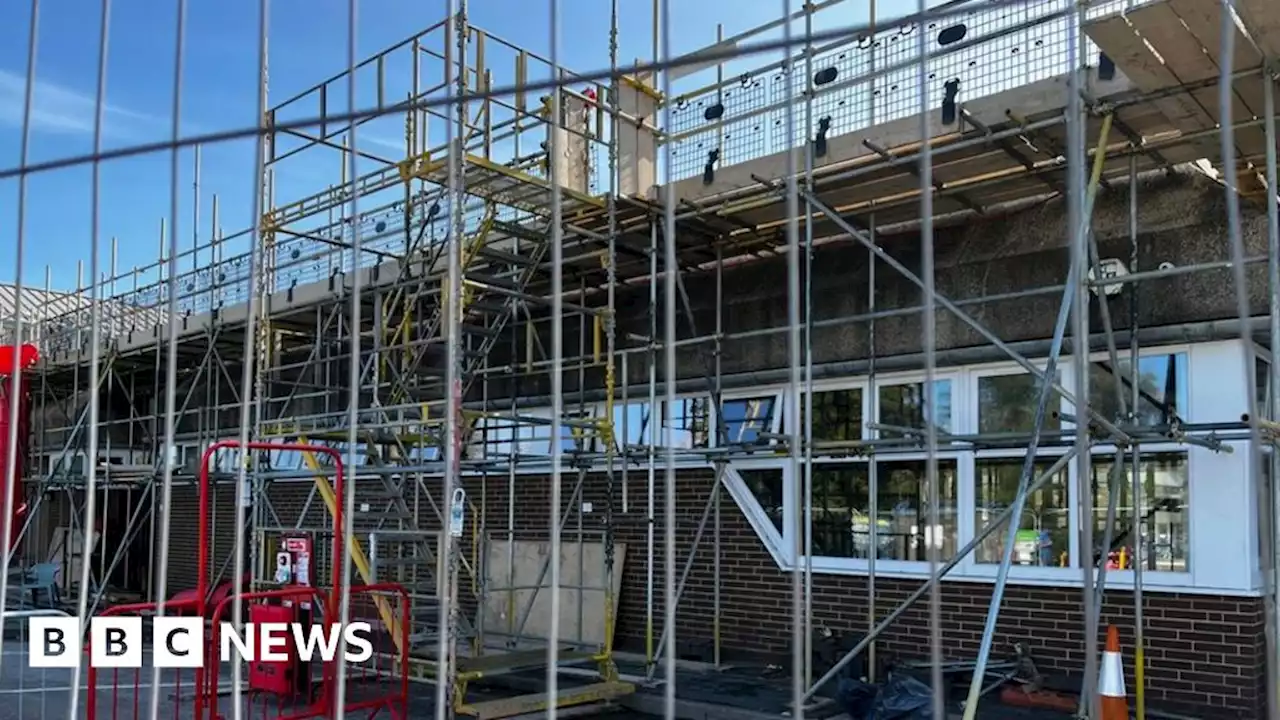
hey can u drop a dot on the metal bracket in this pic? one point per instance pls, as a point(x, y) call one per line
point(951, 89)
point(709, 170)
point(820, 140)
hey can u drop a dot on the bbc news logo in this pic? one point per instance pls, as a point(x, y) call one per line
point(179, 642)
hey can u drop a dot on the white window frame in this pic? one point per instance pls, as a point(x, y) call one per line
point(970, 565)
point(775, 542)
point(870, 412)
point(775, 419)
point(884, 566)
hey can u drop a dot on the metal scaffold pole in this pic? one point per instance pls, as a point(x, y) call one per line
point(670, 277)
point(792, 405)
point(452, 300)
point(1272, 491)
point(555, 554)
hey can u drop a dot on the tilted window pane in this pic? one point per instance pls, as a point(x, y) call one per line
point(1007, 404)
point(1162, 388)
point(905, 407)
point(1044, 535)
point(765, 485)
point(1164, 513)
point(745, 419)
point(842, 510)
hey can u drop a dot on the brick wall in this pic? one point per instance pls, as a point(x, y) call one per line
point(1205, 654)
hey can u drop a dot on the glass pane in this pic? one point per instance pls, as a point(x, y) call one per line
point(837, 414)
point(1007, 403)
point(745, 419)
point(1262, 386)
point(905, 407)
point(689, 422)
point(1044, 532)
point(1164, 514)
point(1162, 388)
point(1266, 510)
point(766, 485)
point(841, 510)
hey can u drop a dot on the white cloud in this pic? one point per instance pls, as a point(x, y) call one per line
point(61, 109)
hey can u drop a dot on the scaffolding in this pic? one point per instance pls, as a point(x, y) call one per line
point(469, 310)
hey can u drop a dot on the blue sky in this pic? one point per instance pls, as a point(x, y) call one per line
point(308, 43)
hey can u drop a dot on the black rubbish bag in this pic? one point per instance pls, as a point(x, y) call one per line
point(901, 697)
point(857, 698)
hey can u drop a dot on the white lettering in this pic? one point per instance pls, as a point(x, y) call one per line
point(358, 634)
point(273, 638)
point(244, 644)
point(307, 639)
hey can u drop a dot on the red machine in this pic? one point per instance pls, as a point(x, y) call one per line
point(279, 677)
point(15, 360)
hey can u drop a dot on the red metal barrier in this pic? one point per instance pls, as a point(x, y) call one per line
point(194, 693)
point(128, 686)
point(323, 704)
point(202, 578)
point(205, 692)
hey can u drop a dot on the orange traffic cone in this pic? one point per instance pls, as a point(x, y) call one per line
point(1111, 692)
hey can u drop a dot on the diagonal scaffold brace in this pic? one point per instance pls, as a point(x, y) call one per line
point(1042, 403)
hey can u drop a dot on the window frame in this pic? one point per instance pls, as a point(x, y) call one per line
point(775, 416)
point(870, 414)
point(1051, 452)
point(1213, 401)
point(970, 563)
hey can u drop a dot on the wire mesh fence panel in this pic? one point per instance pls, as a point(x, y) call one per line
point(507, 376)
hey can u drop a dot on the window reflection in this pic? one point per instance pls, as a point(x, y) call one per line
point(841, 510)
point(1162, 388)
point(1007, 403)
point(1164, 514)
point(837, 414)
point(1044, 531)
point(1262, 387)
point(746, 418)
point(905, 408)
point(688, 423)
point(766, 485)
point(1266, 509)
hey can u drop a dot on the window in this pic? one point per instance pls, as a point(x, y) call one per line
point(630, 425)
point(766, 485)
point(1163, 515)
point(837, 414)
point(690, 420)
point(1007, 404)
point(1266, 510)
point(1162, 388)
point(905, 410)
point(1044, 531)
point(746, 418)
point(841, 510)
point(1262, 388)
